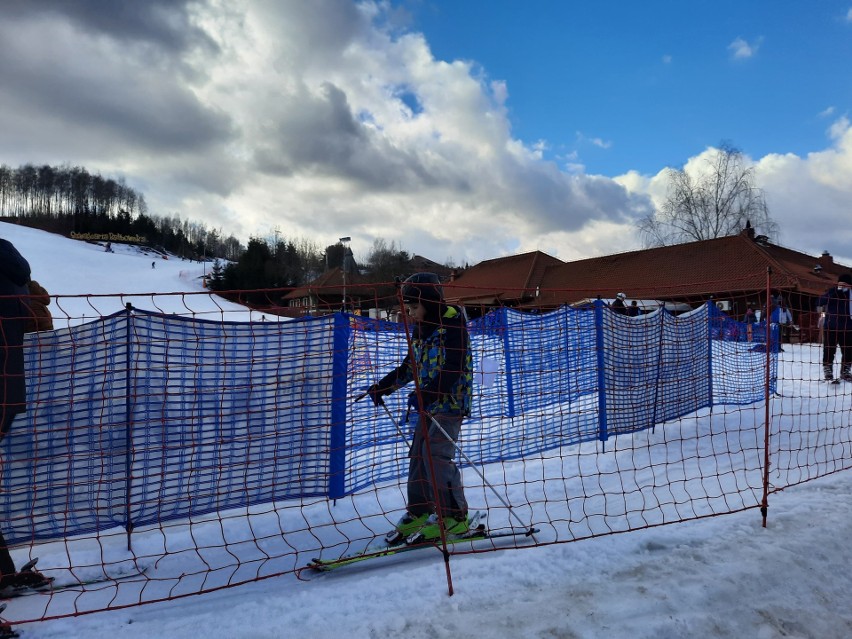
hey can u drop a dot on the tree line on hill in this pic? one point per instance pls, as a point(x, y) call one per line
point(282, 263)
point(71, 200)
point(717, 201)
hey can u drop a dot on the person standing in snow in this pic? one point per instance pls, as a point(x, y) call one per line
point(441, 361)
point(618, 304)
point(782, 316)
point(14, 276)
point(837, 328)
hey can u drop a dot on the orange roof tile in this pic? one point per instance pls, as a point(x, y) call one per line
point(501, 280)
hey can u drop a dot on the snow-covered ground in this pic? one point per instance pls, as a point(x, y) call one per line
point(724, 576)
point(87, 282)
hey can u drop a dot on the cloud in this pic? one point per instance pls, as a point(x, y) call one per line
point(806, 195)
point(165, 24)
point(849, 15)
point(741, 49)
point(323, 119)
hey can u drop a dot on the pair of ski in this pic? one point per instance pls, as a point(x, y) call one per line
point(477, 532)
point(51, 586)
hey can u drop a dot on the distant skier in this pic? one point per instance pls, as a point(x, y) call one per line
point(618, 304)
point(153, 265)
point(441, 359)
point(837, 328)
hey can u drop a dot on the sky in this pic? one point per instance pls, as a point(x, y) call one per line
point(725, 577)
point(457, 131)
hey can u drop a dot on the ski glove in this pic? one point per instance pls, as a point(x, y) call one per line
point(413, 402)
point(376, 393)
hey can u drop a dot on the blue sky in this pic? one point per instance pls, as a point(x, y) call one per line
point(460, 131)
point(619, 86)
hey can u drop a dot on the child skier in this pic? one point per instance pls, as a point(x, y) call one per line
point(440, 359)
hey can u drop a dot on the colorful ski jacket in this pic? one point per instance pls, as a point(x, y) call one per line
point(443, 365)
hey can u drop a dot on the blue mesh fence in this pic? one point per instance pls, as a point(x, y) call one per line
point(140, 418)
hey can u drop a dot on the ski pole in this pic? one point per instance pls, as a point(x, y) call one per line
point(395, 423)
point(383, 405)
point(465, 457)
point(481, 475)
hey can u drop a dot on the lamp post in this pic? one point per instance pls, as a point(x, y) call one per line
point(345, 241)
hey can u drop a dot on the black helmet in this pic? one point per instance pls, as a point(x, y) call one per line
point(423, 287)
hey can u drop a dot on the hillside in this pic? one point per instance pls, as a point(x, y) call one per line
point(70, 268)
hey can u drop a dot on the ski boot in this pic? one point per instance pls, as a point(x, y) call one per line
point(431, 530)
point(6, 630)
point(846, 373)
point(27, 578)
point(407, 525)
point(828, 372)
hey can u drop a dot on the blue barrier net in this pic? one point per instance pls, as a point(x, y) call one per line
point(140, 418)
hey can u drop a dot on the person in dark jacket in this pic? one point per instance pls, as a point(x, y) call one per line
point(440, 360)
point(14, 276)
point(837, 328)
point(618, 304)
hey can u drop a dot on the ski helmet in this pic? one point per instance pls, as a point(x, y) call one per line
point(423, 287)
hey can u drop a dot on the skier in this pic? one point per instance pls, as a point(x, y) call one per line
point(618, 304)
point(837, 328)
point(440, 358)
point(14, 275)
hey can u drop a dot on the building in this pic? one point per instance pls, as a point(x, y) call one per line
point(512, 281)
point(363, 294)
point(732, 271)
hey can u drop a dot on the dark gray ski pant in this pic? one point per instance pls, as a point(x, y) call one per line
point(448, 478)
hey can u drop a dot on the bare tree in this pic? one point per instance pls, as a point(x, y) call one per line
point(387, 261)
point(716, 202)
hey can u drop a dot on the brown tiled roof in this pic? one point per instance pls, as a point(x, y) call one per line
point(503, 280)
point(419, 264)
point(719, 266)
point(331, 283)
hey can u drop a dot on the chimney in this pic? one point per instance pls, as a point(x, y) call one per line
point(825, 259)
point(748, 231)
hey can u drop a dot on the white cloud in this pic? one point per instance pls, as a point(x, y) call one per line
point(741, 49)
point(594, 141)
point(849, 15)
point(322, 120)
point(318, 118)
point(827, 112)
point(839, 129)
point(807, 196)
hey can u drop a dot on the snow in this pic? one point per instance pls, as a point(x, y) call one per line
point(725, 576)
point(71, 269)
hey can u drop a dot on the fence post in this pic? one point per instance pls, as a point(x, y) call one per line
point(764, 504)
point(128, 428)
point(603, 433)
point(339, 408)
point(503, 318)
point(660, 365)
